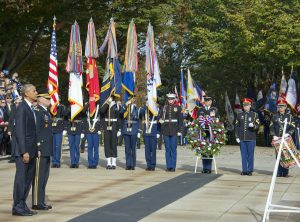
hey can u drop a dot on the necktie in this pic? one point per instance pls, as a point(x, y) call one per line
point(32, 109)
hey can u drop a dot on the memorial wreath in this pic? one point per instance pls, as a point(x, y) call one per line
point(206, 136)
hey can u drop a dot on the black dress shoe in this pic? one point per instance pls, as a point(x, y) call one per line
point(108, 167)
point(132, 168)
point(285, 175)
point(148, 169)
point(49, 206)
point(172, 169)
point(152, 169)
point(113, 167)
point(204, 171)
point(53, 166)
point(23, 213)
point(128, 168)
point(58, 166)
point(72, 166)
point(82, 150)
point(168, 169)
point(76, 165)
point(249, 174)
point(244, 173)
point(40, 207)
point(208, 171)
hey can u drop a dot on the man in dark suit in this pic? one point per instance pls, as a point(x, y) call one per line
point(25, 151)
point(45, 147)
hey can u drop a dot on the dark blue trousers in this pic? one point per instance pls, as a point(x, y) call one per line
point(23, 179)
point(74, 141)
point(171, 150)
point(130, 149)
point(247, 153)
point(57, 141)
point(206, 163)
point(150, 150)
point(93, 149)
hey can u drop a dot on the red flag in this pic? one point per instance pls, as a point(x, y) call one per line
point(92, 84)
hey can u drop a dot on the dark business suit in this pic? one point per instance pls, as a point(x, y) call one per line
point(44, 145)
point(25, 132)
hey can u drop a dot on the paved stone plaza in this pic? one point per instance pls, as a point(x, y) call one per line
point(123, 194)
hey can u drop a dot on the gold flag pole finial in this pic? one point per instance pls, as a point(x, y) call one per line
point(54, 22)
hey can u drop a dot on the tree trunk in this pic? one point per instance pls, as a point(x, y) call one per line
point(4, 55)
point(30, 50)
point(15, 56)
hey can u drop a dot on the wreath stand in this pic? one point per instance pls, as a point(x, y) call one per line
point(207, 158)
point(274, 207)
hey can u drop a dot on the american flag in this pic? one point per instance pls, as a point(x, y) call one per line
point(53, 74)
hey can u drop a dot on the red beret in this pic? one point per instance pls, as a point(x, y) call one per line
point(247, 100)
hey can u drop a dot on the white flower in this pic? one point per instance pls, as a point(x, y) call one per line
point(208, 148)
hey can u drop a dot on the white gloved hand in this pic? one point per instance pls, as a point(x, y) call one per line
point(238, 140)
point(82, 135)
point(99, 132)
point(157, 136)
point(286, 135)
point(64, 133)
point(178, 134)
point(147, 103)
point(275, 137)
point(110, 100)
point(139, 135)
point(251, 125)
point(119, 133)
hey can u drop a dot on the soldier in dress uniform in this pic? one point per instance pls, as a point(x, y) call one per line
point(151, 132)
point(45, 148)
point(246, 124)
point(58, 127)
point(207, 110)
point(74, 136)
point(171, 120)
point(130, 115)
point(92, 129)
point(276, 128)
point(111, 113)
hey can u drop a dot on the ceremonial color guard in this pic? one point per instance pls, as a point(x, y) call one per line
point(171, 120)
point(45, 147)
point(276, 128)
point(151, 134)
point(130, 131)
point(92, 129)
point(58, 127)
point(74, 135)
point(246, 124)
point(207, 110)
point(111, 112)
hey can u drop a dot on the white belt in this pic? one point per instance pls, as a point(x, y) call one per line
point(111, 120)
point(130, 121)
point(172, 120)
point(154, 122)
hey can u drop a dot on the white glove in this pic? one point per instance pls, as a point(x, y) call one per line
point(251, 125)
point(275, 137)
point(238, 140)
point(286, 135)
point(139, 135)
point(119, 133)
point(99, 132)
point(110, 100)
point(178, 134)
point(157, 136)
point(64, 132)
point(82, 135)
point(147, 103)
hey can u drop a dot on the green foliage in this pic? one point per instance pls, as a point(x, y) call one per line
point(228, 44)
